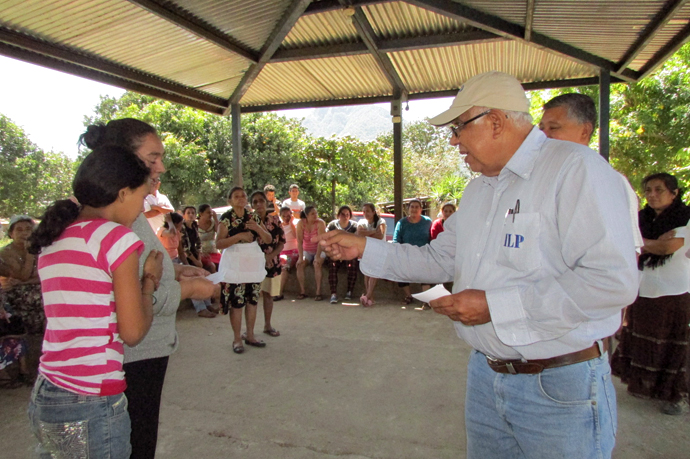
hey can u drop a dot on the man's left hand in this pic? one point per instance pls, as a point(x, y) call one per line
point(187, 271)
point(469, 307)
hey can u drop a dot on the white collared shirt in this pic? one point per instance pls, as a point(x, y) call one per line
point(556, 276)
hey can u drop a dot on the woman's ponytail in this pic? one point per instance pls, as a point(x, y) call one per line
point(55, 220)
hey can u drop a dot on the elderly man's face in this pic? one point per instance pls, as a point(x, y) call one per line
point(556, 124)
point(474, 143)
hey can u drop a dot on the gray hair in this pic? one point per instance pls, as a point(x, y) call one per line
point(520, 119)
point(580, 107)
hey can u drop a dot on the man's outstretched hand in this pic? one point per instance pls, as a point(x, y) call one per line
point(340, 245)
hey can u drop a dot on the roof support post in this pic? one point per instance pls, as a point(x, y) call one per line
point(396, 113)
point(236, 145)
point(604, 109)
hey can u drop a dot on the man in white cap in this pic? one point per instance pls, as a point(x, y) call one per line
point(542, 259)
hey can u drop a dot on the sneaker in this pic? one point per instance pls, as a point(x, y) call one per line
point(672, 409)
point(348, 296)
point(334, 299)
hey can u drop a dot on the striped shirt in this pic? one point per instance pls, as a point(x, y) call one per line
point(82, 349)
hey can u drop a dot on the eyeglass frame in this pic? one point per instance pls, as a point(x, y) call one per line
point(455, 130)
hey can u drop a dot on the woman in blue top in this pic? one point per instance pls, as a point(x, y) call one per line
point(414, 229)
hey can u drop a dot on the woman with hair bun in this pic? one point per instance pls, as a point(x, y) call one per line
point(95, 302)
point(146, 363)
point(653, 352)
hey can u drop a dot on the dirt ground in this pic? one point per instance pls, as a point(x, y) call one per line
point(340, 382)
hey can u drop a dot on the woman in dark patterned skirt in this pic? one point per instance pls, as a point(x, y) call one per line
point(652, 355)
point(238, 226)
point(270, 287)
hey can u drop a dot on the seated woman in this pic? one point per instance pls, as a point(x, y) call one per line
point(170, 235)
point(190, 254)
point(370, 226)
point(447, 210)
point(345, 224)
point(309, 226)
point(12, 344)
point(414, 229)
point(289, 255)
point(22, 286)
point(208, 228)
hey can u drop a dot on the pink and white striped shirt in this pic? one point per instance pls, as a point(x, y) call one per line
point(82, 349)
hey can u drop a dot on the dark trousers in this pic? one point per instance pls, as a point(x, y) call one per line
point(351, 266)
point(144, 387)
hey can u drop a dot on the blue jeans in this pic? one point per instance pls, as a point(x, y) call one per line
point(565, 412)
point(67, 424)
point(200, 305)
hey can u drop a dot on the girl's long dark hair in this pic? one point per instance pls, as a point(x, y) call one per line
point(373, 209)
point(99, 179)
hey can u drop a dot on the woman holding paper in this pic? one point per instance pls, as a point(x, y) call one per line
point(240, 226)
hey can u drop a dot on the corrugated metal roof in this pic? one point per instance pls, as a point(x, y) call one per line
point(200, 50)
point(419, 69)
point(606, 28)
point(399, 19)
point(327, 28)
point(317, 80)
point(248, 22)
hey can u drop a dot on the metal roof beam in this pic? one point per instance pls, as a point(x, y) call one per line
point(666, 52)
point(417, 96)
point(669, 10)
point(388, 46)
point(43, 60)
point(197, 27)
point(499, 26)
point(368, 36)
point(289, 19)
point(334, 5)
point(38, 47)
point(529, 19)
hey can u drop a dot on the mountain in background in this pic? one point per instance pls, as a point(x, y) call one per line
point(364, 122)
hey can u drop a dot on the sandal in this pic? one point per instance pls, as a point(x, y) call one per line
point(408, 300)
point(254, 343)
point(318, 298)
point(301, 296)
point(366, 302)
point(237, 348)
point(273, 332)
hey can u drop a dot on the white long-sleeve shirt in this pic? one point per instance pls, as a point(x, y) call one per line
point(556, 276)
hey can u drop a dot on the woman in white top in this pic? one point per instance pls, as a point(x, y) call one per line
point(652, 355)
point(289, 255)
point(370, 226)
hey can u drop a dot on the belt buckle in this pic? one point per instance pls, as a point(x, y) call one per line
point(511, 368)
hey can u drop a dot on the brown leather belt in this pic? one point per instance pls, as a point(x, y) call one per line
point(531, 367)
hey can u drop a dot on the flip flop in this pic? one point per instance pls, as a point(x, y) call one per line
point(254, 343)
point(408, 300)
point(237, 348)
point(318, 298)
point(273, 332)
point(301, 296)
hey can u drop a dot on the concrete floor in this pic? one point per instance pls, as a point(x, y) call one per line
point(341, 382)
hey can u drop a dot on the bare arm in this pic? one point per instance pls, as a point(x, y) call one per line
point(134, 296)
point(223, 241)
point(662, 246)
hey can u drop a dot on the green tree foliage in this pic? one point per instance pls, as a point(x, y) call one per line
point(431, 166)
point(275, 150)
point(30, 179)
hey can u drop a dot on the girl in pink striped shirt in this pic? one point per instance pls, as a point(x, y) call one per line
point(94, 302)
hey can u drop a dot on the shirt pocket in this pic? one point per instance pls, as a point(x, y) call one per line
point(520, 242)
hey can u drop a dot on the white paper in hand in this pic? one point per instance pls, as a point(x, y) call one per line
point(215, 277)
point(432, 294)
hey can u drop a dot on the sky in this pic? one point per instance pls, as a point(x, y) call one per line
point(50, 106)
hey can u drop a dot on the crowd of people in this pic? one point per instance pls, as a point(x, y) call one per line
point(538, 289)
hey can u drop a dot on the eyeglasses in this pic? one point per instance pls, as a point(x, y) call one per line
point(455, 129)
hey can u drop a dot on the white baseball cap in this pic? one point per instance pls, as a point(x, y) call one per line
point(492, 90)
